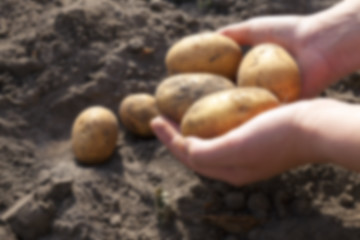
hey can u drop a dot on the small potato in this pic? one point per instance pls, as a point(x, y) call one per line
point(271, 67)
point(94, 135)
point(136, 112)
point(205, 52)
point(222, 111)
point(177, 93)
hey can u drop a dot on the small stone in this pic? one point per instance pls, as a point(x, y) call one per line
point(63, 228)
point(56, 190)
point(281, 200)
point(349, 188)
point(259, 204)
point(199, 191)
point(346, 200)
point(157, 5)
point(234, 200)
point(61, 188)
point(136, 44)
point(22, 66)
point(115, 220)
point(44, 176)
point(180, 18)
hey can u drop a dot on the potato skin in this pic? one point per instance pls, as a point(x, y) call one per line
point(94, 135)
point(136, 112)
point(175, 94)
point(222, 111)
point(272, 67)
point(205, 52)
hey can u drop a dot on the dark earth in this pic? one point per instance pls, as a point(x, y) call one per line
point(58, 57)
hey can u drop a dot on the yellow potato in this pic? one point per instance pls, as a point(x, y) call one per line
point(94, 135)
point(136, 112)
point(205, 52)
point(222, 111)
point(177, 93)
point(271, 67)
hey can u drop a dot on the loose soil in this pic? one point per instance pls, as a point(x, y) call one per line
point(58, 57)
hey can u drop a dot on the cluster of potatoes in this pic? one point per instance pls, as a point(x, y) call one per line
point(210, 90)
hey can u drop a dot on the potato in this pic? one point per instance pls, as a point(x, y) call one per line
point(136, 111)
point(205, 52)
point(94, 135)
point(177, 93)
point(271, 67)
point(217, 113)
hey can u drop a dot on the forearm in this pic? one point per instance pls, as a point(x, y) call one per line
point(335, 32)
point(330, 132)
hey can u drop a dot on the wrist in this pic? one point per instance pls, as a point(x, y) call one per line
point(327, 131)
point(308, 138)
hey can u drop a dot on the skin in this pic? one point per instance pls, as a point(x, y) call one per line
point(325, 45)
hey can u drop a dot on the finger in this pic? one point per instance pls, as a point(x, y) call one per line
point(168, 133)
point(239, 32)
point(240, 147)
point(217, 152)
point(278, 30)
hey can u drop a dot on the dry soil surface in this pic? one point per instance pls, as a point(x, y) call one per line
point(59, 56)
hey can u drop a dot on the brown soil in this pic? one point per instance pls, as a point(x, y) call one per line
point(59, 56)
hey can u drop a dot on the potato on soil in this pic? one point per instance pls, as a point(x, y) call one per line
point(136, 112)
point(222, 111)
point(177, 93)
point(94, 135)
point(205, 52)
point(272, 67)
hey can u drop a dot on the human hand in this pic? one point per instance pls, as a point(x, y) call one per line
point(288, 32)
point(308, 131)
point(325, 45)
point(263, 147)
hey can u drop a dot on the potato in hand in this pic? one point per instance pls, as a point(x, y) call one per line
point(222, 111)
point(272, 67)
point(177, 93)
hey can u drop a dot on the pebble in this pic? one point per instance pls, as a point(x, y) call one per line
point(115, 220)
point(258, 204)
point(157, 5)
point(199, 191)
point(56, 190)
point(281, 200)
point(136, 44)
point(234, 200)
point(346, 200)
